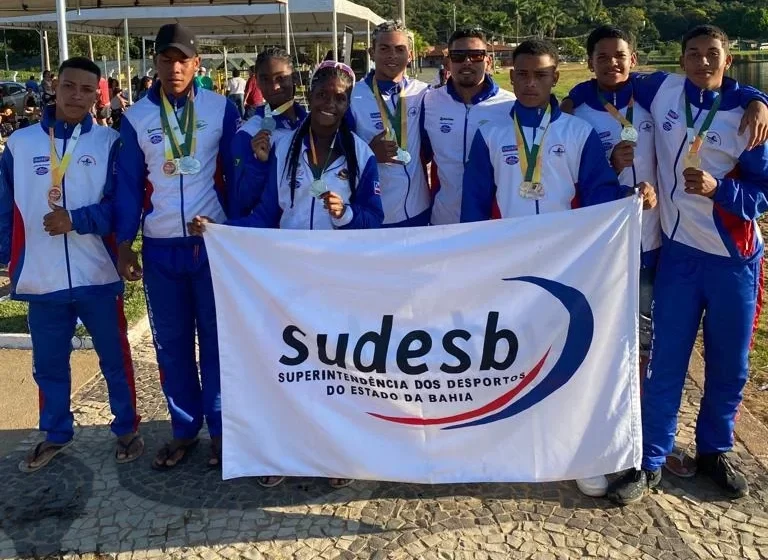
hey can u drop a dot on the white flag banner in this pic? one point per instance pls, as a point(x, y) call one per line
point(497, 351)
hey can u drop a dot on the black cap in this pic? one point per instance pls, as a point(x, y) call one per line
point(176, 36)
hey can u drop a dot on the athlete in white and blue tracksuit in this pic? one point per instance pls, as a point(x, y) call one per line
point(250, 173)
point(286, 208)
point(709, 265)
point(71, 275)
point(448, 127)
point(177, 276)
point(643, 168)
point(404, 188)
point(574, 170)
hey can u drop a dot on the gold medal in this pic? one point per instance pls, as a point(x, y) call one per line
point(692, 159)
point(55, 195)
point(170, 168)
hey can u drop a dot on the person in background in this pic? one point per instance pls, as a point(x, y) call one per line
point(49, 93)
point(202, 80)
point(144, 86)
point(55, 211)
point(164, 178)
point(452, 114)
point(32, 85)
point(236, 91)
point(279, 117)
point(103, 109)
point(31, 106)
point(253, 96)
point(385, 112)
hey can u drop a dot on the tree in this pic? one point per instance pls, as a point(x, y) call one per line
point(550, 18)
point(591, 12)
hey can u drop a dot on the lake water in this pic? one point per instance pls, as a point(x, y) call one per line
point(752, 73)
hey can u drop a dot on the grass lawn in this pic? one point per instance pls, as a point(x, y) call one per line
point(13, 314)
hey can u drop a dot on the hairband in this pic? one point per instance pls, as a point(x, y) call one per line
point(338, 66)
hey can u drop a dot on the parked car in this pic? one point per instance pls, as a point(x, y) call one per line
point(13, 93)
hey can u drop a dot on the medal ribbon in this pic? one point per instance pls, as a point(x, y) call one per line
point(59, 166)
point(398, 122)
point(180, 139)
point(695, 139)
point(270, 112)
point(316, 164)
point(626, 122)
point(532, 173)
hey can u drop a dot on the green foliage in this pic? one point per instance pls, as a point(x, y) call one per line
point(650, 21)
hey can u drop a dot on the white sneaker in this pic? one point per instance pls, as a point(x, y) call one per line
point(595, 487)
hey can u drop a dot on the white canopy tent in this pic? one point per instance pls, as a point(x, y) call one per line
point(226, 21)
point(110, 17)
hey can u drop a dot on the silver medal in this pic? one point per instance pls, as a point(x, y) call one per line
point(318, 188)
point(268, 123)
point(403, 156)
point(629, 134)
point(189, 165)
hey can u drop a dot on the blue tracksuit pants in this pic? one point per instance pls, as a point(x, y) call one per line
point(51, 326)
point(177, 282)
point(725, 293)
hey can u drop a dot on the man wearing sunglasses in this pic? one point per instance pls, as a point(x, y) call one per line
point(452, 114)
point(385, 111)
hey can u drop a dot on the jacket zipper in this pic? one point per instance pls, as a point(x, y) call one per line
point(677, 159)
point(64, 202)
point(183, 217)
point(466, 123)
point(312, 214)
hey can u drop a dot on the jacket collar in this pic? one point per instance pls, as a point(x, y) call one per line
point(387, 87)
point(490, 88)
point(619, 98)
point(531, 117)
point(703, 98)
point(298, 108)
point(154, 95)
point(62, 129)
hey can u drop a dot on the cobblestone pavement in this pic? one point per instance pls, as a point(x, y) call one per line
point(85, 506)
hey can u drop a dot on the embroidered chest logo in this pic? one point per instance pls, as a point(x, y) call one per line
point(557, 150)
point(87, 161)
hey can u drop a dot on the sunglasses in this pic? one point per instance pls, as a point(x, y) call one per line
point(458, 57)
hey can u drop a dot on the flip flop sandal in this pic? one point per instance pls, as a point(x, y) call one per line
point(125, 449)
point(214, 461)
point(337, 483)
point(264, 481)
point(169, 450)
point(680, 463)
point(49, 452)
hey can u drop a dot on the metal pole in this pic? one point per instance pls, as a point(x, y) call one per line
point(226, 69)
point(47, 51)
point(402, 11)
point(288, 29)
point(454, 17)
point(5, 48)
point(335, 32)
point(61, 18)
point(367, 46)
point(119, 65)
point(90, 46)
point(143, 56)
point(128, 60)
point(42, 51)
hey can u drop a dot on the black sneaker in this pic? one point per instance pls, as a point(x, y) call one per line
point(633, 486)
point(718, 467)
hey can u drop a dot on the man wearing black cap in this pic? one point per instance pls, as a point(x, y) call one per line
point(174, 157)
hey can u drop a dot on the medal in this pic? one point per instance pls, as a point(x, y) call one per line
point(692, 160)
point(59, 166)
point(403, 156)
point(170, 168)
point(531, 157)
point(268, 123)
point(396, 125)
point(629, 134)
point(54, 196)
point(189, 165)
point(318, 188)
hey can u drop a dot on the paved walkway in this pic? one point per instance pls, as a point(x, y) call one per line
point(87, 507)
